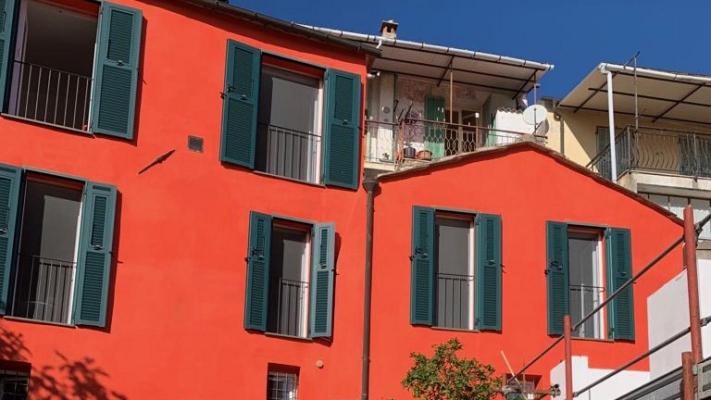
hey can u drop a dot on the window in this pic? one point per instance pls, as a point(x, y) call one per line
point(290, 277)
point(282, 383)
point(52, 72)
point(454, 286)
point(14, 385)
point(456, 269)
point(289, 131)
point(676, 204)
point(579, 277)
point(290, 119)
point(585, 282)
point(522, 388)
point(56, 236)
point(44, 276)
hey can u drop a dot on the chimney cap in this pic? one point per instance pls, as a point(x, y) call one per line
point(388, 28)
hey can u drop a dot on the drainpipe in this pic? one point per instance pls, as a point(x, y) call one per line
point(371, 186)
point(611, 120)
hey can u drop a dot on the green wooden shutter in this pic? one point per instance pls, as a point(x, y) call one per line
point(620, 312)
point(342, 129)
point(95, 254)
point(488, 272)
point(116, 70)
point(7, 14)
point(557, 272)
point(322, 280)
point(257, 293)
point(240, 103)
point(434, 133)
point(422, 275)
point(10, 178)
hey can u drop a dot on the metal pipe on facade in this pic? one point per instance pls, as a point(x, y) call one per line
point(611, 120)
point(371, 186)
point(687, 376)
point(568, 339)
point(692, 281)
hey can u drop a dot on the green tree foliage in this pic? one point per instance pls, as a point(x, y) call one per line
point(445, 376)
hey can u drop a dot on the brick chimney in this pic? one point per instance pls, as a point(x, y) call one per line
point(388, 29)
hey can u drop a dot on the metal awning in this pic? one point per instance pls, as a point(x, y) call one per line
point(486, 71)
point(661, 95)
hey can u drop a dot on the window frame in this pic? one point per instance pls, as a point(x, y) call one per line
point(469, 217)
point(291, 225)
point(598, 233)
point(284, 371)
point(57, 181)
point(285, 66)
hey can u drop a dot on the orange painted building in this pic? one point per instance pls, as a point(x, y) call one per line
point(164, 318)
point(181, 217)
point(509, 204)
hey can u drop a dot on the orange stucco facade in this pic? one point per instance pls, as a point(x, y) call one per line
point(176, 302)
point(175, 321)
point(527, 187)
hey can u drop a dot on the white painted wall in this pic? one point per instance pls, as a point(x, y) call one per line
point(669, 314)
point(583, 375)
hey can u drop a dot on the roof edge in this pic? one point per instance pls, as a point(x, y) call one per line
point(493, 151)
point(379, 40)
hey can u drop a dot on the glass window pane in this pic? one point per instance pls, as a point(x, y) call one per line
point(288, 282)
point(454, 285)
point(585, 287)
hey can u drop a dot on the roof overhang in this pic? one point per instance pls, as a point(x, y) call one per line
point(661, 95)
point(483, 70)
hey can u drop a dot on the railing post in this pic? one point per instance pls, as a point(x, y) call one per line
point(687, 376)
point(568, 344)
point(697, 167)
point(692, 280)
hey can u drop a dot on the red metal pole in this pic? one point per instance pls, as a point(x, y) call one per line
point(567, 338)
point(687, 376)
point(692, 279)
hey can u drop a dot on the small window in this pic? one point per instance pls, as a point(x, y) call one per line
point(454, 285)
point(282, 383)
point(289, 279)
point(44, 275)
point(14, 384)
point(586, 277)
point(289, 121)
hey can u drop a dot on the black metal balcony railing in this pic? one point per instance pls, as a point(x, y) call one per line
point(287, 307)
point(49, 95)
point(43, 289)
point(423, 140)
point(657, 150)
point(454, 300)
point(288, 153)
point(583, 299)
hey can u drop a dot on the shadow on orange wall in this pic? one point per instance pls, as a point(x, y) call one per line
point(63, 379)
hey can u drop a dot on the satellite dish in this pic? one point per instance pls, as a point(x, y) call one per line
point(535, 115)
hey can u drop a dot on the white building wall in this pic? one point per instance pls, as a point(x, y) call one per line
point(583, 375)
point(669, 314)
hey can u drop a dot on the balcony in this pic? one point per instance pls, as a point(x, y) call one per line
point(287, 308)
point(48, 95)
point(42, 289)
point(396, 146)
point(659, 151)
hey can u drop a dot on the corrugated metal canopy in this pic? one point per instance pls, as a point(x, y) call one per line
point(672, 96)
point(483, 70)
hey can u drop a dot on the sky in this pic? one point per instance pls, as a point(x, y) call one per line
point(574, 35)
